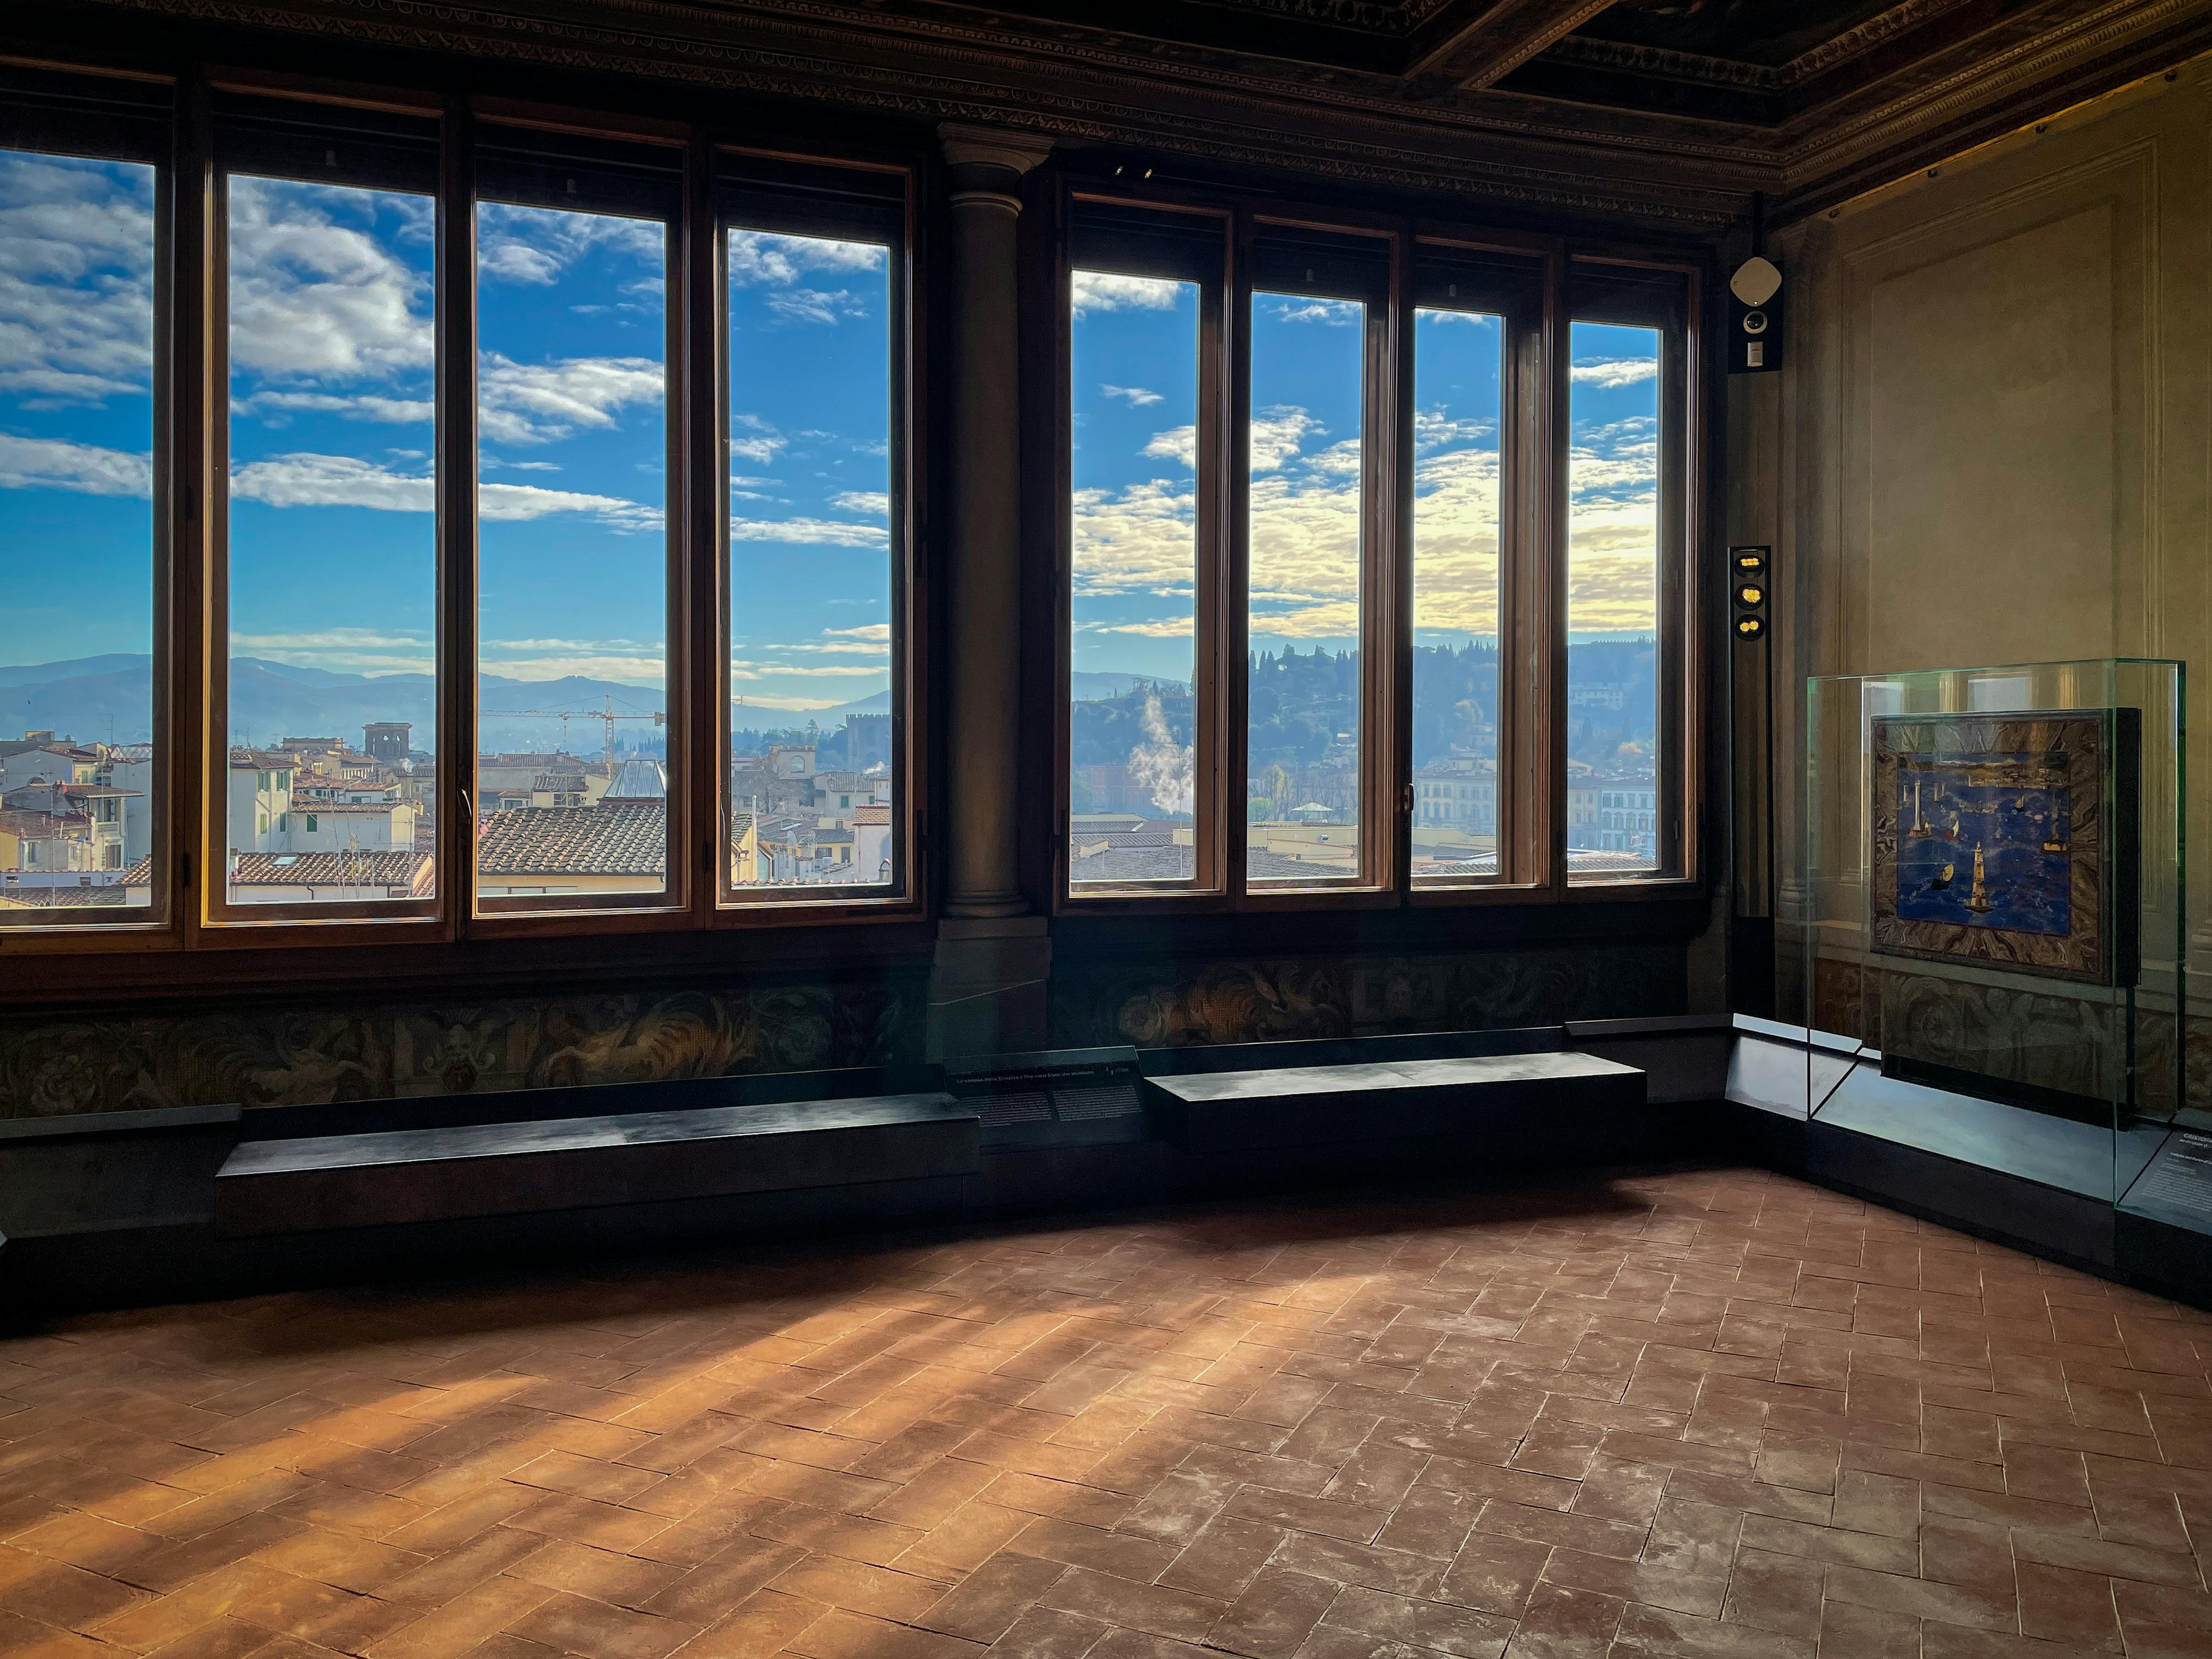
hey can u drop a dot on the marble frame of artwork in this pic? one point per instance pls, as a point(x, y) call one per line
point(2007, 841)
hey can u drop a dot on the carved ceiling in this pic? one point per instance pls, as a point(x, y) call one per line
point(1675, 111)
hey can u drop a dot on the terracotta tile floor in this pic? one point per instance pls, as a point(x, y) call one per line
point(1686, 1413)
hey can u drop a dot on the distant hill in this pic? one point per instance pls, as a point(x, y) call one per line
point(109, 700)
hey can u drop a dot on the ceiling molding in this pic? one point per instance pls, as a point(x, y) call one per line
point(1473, 44)
point(1086, 87)
point(1827, 149)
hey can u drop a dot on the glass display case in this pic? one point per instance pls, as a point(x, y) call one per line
point(1992, 921)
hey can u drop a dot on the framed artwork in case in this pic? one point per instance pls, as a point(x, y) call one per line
point(2008, 841)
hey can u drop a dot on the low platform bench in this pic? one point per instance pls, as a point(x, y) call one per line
point(451, 1171)
point(1356, 1102)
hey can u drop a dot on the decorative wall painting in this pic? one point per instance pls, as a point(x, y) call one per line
point(2008, 841)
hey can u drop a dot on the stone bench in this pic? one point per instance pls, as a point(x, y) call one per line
point(449, 1171)
point(1352, 1102)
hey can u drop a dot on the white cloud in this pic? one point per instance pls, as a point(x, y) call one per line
point(759, 450)
point(1176, 444)
point(76, 284)
point(1610, 373)
point(1335, 313)
point(765, 258)
point(1277, 433)
point(85, 469)
point(1135, 540)
point(875, 502)
point(1170, 628)
point(308, 480)
point(1138, 397)
point(814, 304)
point(313, 299)
point(344, 650)
point(779, 705)
point(641, 662)
point(740, 670)
point(365, 406)
point(815, 533)
point(534, 245)
point(544, 403)
point(869, 640)
point(1102, 290)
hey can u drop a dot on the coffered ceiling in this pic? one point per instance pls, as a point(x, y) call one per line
point(1676, 112)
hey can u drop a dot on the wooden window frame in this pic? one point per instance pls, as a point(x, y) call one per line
point(29, 128)
point(729, 160)
point(368, 922)
point(673, 905)
point(1209, 887)
point(1533, 575)
point(1681, 656)
point(1526, 615)
point(454, 933)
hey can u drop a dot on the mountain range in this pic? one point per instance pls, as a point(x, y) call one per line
point(109, 699)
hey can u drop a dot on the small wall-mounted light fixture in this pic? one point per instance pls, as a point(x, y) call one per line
point(1748, 573)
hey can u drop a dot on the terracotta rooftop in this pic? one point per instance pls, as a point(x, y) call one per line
point(408, 871)
point(617, 838)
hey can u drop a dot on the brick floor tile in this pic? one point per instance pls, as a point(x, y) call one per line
point(2060, 1605)
point(1417, 1623)
point(1152, 1609)
point(1564, 1624)
point(1777, 1592)
point(1676, 1413)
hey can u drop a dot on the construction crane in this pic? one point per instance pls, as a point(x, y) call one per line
point(605, 713)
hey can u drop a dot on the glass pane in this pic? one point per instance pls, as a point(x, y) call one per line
point(77, 438)
point(814, 776)
point(1302, 791)
point(572, 427)
point(1612, 602)
point(333, 544)
point(1133, 753)
point(1457, 406)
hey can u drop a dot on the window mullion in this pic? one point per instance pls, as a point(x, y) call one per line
point(699, 617)
point(1235, 440)
point(185, 312)
point(1549, 612)
point(456, 394)
point(1392, 628)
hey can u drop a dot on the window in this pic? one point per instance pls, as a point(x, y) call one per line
point(1144, 298)
point(1445, 618)
point(818, 788)
point(1625, 726)
point(1309, 484)
point(81, 757)
point(573, 538)
point(1459, 520)
point(327, 583)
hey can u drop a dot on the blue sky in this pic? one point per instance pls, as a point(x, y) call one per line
point(76, 311)
point(331, 336)
point(333, 489)
point(1134, 371)
point(1613, 470)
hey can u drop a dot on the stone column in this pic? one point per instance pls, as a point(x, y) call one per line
point(986, 990)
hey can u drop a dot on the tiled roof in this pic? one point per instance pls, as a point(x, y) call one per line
point(1123, 863)
point(1485, 865)
point(1263, 865)
point(65, 898)
point(617, 838)
point(362, 869)
point(1581, 859)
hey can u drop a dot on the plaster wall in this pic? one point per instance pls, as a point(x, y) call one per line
point(1993, 438)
